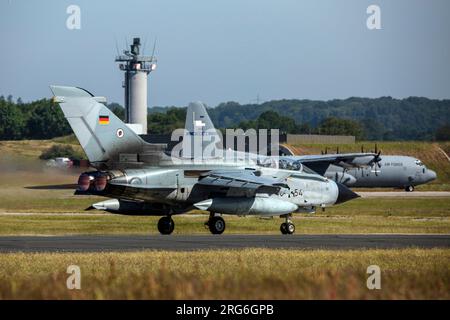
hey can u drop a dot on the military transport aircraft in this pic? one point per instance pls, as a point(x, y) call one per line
point(368, 170)
point(391, 172)
point(143, 179)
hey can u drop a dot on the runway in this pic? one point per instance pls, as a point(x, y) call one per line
point(205, 242)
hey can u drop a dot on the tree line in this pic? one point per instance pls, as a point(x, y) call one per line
point(385, 118)
point(41, 119)
point(371, 119)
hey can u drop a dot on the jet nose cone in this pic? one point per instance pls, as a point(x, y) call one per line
point(345, 194)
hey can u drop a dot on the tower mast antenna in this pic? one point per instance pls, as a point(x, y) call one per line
point(136, 67)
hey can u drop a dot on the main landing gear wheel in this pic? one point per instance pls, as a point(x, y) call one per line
point(287, 228)
point(409, 189)
point(166, 225)
point(216, 225)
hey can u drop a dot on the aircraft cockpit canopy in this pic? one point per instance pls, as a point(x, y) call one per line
point(419, 163)
point(294, 165)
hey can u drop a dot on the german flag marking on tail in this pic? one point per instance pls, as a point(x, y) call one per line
point(103, 119)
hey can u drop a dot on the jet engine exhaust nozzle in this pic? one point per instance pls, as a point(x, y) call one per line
point(84, 182)
point(100, 183)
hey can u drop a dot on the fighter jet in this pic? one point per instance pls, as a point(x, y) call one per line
point(142, 179)
point(370, 169)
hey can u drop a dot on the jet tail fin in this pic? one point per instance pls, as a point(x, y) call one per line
point(102, 135)
point(197, 116)
point(202, 137)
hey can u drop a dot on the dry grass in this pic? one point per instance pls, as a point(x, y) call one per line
point(228, 274)
point(34, 148)
point(55, 224)
point(28, 185)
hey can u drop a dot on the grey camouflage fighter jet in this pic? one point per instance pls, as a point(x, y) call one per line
point(142, 179)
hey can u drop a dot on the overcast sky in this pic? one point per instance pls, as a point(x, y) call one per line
point(230, 50)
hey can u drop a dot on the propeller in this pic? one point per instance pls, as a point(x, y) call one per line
point(376, 160)
point(376, 148)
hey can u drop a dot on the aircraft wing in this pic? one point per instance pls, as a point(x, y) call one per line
point(332, 157)
point(320, 163)
point(239, 182)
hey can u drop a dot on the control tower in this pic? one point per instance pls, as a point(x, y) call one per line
point(136, 67)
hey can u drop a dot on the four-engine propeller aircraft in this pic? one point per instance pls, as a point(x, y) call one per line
point(144, 180)
point(393, 172)
point(370, 170)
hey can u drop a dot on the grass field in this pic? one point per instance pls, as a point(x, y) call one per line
point(414, 215)
point(33, 148)
point(115, 224)
point(230, 274)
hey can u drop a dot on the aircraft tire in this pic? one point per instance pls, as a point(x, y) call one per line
point(166, 225)
point(216, 225)
point(409, 189)
point(283, 228)
point(287, 228)
point(290, 228)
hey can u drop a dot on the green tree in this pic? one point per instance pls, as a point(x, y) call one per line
point(118, 110)
point(271, 120)
point(337, 126)
point(166, 122)
point(12, 124)
point(47, 121)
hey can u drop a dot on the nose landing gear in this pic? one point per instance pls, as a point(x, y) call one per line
point(287, 227)
point(409, 188)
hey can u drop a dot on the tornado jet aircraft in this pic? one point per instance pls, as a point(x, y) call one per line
point(369, 170)
point(142, 179)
